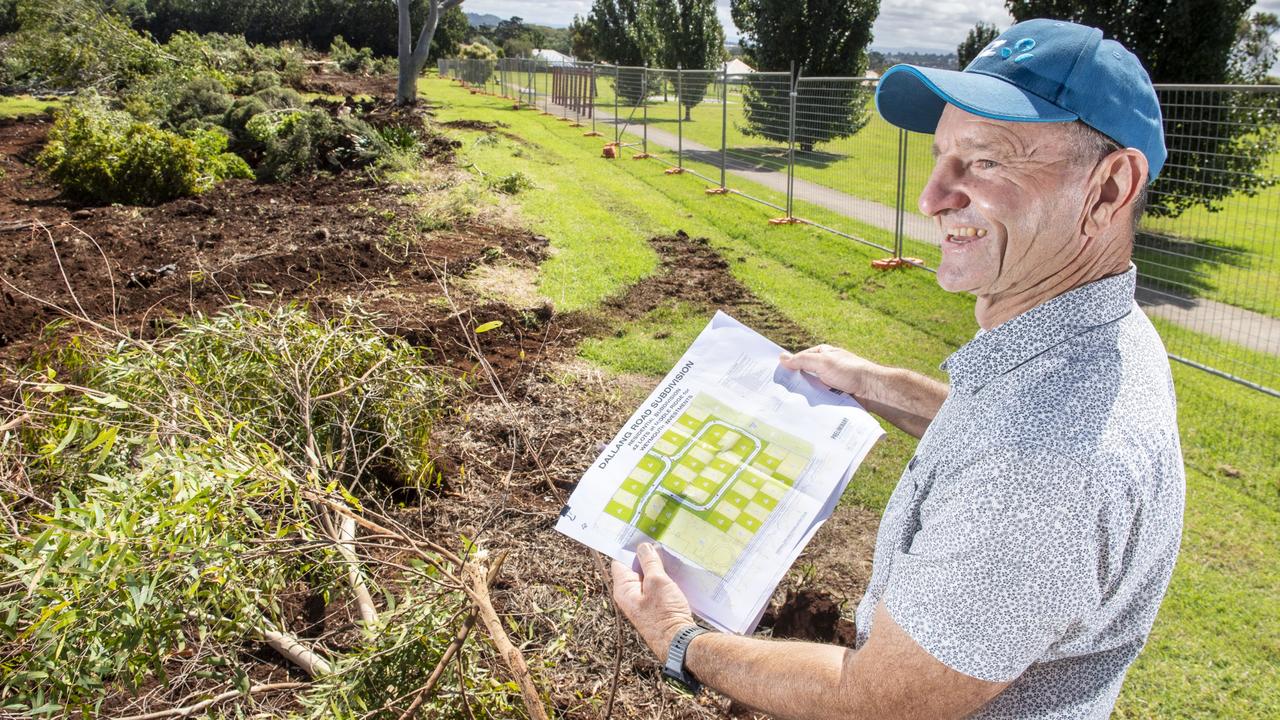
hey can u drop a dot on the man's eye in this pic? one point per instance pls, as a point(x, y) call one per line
point(986, 164)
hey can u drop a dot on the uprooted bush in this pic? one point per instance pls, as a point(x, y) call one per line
point(199, 490)
point(103, 156)
point(349, 59)
point(298, 143)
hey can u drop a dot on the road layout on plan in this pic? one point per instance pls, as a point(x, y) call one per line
point(709, 483)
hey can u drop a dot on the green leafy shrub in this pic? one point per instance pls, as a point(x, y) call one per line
point(182, 473)
point(510, 184)
point(349, 59)
point(103, 156)
point(74, 44)
point(280, 98)
point(300, 142)
point(202, 98)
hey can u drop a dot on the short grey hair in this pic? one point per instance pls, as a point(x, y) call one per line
point(1092, 146)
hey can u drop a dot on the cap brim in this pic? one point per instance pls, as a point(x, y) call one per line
point(913, 98)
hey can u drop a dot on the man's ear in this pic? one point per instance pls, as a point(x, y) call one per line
point(1113, 188)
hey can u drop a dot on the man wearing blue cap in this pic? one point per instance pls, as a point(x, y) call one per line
point(1024, 553)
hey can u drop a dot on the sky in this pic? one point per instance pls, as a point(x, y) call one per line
point(922, 25)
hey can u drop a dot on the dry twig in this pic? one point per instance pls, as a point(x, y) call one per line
point(478, 590)
point(203, 705)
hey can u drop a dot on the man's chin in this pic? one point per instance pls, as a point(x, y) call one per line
point(952, 281)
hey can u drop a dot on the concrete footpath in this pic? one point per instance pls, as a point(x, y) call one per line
point(1246, 328)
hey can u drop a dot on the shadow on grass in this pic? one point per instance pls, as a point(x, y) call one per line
point(1178, 270)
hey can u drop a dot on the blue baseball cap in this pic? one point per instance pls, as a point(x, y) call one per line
point(1037, 71)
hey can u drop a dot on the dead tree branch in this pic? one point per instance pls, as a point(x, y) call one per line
point(478, 590)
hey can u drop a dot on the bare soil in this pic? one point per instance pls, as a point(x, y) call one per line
point(512, 450)
point(340, 83)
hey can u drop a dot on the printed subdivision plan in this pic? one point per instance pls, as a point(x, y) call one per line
point(729, 466)
point(710, 482)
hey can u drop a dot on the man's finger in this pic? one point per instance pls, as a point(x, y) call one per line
point(623, 575)
point(811, 360)
point(650, 561)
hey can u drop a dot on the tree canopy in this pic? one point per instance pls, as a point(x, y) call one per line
point(826, 38)
point(980, 35)
point(1219, 141)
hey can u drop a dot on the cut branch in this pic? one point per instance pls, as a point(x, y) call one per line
point(478, 590)
point(454, 646)
point(346, 547)
point(297, 653)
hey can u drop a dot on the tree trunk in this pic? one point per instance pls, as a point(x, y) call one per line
point(411, 57)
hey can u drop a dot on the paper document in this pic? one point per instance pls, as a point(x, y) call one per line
point(730, 465)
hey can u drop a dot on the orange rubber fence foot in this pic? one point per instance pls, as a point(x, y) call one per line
point(593, 133)
point(674, 171)
point(641, 156)
point(896, 263)
point(784, 221)
point(577, 124)
point(544, 112)
point(610, 151)
point(717, 191)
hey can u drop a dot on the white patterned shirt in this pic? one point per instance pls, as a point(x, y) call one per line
point(1032, 536)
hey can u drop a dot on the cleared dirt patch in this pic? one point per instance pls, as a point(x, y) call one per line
point(339, 83)
point(325, 237)
point(692, 271)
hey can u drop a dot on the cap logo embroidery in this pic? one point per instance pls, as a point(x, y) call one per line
point(1022, 47)
point(990, 49)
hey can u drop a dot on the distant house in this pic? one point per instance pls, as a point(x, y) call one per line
point(737, 67)
point(551, 56)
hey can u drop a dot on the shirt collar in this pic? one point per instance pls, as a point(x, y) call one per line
point(995, 352)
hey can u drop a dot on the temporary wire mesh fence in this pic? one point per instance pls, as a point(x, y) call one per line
point(814, 150)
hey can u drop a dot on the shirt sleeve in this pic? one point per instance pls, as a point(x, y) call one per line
point(1004, 562)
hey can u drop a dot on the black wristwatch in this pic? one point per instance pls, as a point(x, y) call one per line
point(673, 672)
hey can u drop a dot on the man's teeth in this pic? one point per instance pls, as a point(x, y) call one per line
point(959, 232)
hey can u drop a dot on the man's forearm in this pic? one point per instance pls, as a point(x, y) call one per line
point(907, 399)
point(796, 680)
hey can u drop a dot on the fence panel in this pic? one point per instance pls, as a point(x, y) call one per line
point(757, 135)
point(841, 164)
point(1211, 275)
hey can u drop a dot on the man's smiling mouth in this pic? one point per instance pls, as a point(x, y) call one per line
point(963, 234)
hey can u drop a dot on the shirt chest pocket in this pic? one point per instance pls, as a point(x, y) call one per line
point(902, 515)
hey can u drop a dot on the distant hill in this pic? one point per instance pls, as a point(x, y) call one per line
point(479, 20)
point(881, 59)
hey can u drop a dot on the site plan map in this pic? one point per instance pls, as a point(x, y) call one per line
point(730, 466)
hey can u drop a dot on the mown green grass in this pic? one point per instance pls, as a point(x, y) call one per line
point(18, 105)
point(1215, 649)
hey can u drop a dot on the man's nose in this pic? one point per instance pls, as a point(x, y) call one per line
point(943, 191)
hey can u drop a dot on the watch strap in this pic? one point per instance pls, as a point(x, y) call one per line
point(674, 667)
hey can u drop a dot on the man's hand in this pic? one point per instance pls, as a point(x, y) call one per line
point(651, 600)
point(907, 399)
point(836, 368)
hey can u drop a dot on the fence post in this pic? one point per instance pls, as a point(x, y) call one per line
point(724, 122)
point(616, 76)
point(899, 216)
point(644, 108)
point(679, 117)
point(791, 141)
